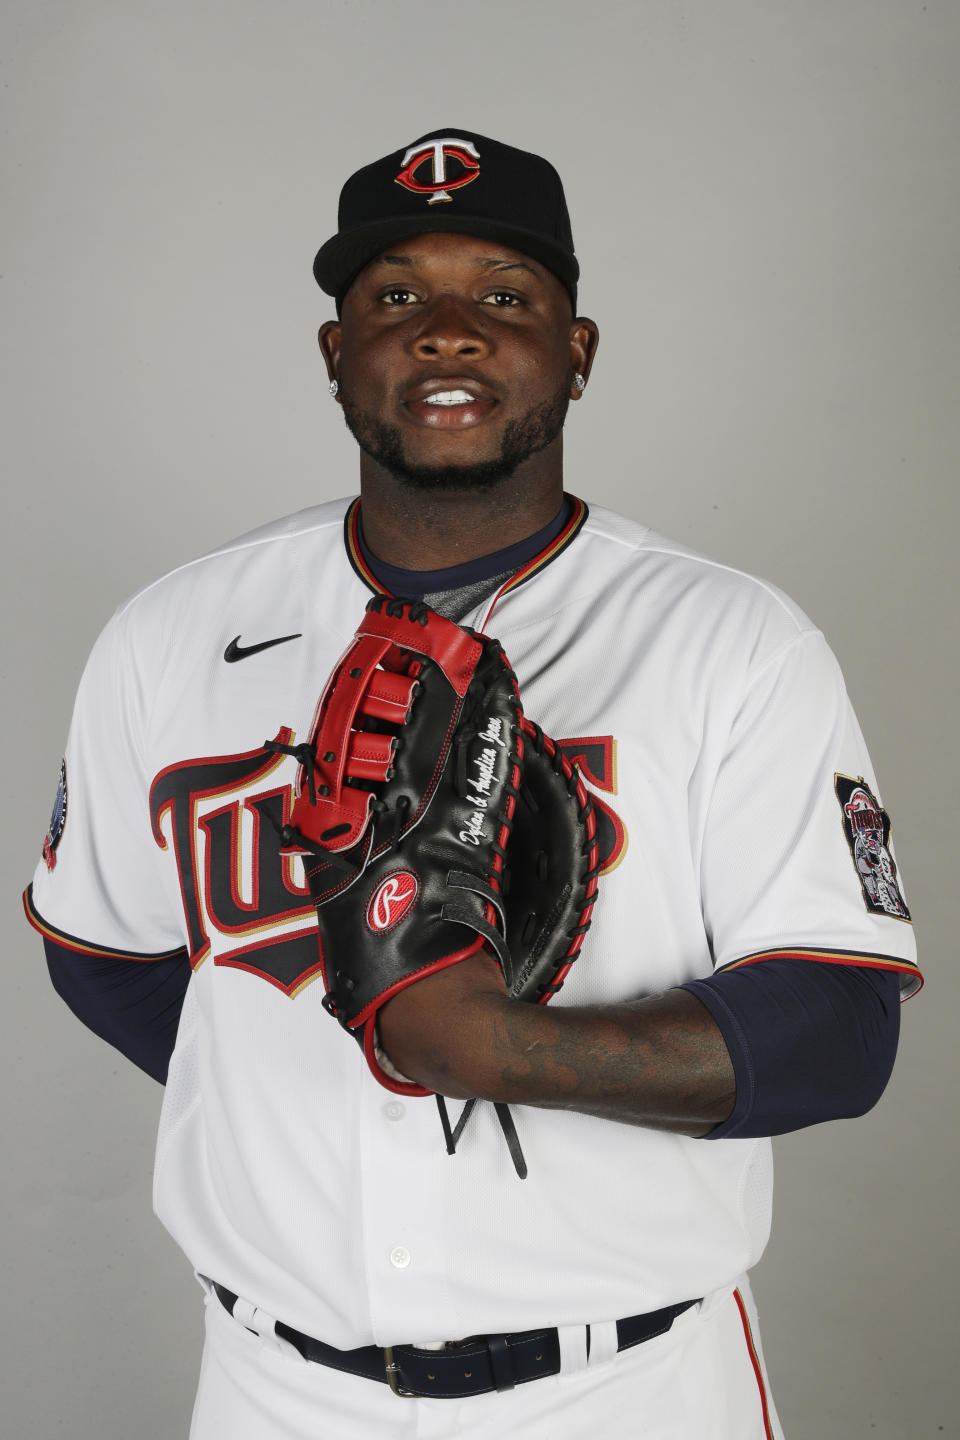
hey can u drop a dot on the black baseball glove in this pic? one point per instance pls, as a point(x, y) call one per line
point(434, 820)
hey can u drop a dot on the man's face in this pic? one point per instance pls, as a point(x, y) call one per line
point(455, 358)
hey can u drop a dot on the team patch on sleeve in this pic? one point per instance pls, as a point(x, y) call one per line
point(867, 828)
point(57, 820)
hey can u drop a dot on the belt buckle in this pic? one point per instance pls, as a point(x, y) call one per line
point(393, 1375)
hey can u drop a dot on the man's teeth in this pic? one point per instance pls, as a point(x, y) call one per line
point(451, 397)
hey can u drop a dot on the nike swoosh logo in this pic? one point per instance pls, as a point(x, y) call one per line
point(235, 651)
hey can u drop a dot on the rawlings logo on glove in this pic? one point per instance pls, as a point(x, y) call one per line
point(392, 899)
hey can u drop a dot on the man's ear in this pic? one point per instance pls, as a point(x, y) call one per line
point(584, 339)
point(328, 337)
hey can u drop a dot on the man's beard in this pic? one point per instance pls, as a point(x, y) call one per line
point(522, 438)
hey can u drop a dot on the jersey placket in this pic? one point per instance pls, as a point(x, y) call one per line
point(404, 1194)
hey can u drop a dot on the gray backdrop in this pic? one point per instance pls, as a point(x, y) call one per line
point(765, 203)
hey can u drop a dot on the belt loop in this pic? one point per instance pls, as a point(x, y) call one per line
point(501, 1363)
point(573, 1348)
point(252, 1318)
point(714, 1300)
point(603, 1342)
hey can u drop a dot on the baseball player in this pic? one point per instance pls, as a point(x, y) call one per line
point(749, 941)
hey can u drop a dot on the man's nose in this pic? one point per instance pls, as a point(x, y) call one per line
point(449, 332)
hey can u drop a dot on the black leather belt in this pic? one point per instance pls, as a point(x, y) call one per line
point(467, 1367)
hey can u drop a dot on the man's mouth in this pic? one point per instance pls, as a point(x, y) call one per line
point(450, 407)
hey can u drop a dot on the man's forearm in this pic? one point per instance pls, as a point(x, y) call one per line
point(659, 1062)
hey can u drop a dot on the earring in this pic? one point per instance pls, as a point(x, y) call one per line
point(579, 381)
point(334, 388)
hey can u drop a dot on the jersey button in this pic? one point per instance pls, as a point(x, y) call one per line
point(400, 1257)
point(394, 1110)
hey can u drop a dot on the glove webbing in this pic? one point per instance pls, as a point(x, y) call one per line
point(462, 880)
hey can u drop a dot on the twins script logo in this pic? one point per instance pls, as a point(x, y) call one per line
point(450, 147)
point(246, 906)
point(392, 900)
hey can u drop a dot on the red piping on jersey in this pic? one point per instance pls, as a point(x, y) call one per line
point(755, 1362)
point(550, 552)
point(834, 957)
point(82, 947)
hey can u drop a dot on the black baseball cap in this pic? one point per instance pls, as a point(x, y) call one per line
point(450, 179)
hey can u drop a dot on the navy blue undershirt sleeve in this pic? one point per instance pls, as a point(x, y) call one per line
point(809, 1041)
point(133, 1004)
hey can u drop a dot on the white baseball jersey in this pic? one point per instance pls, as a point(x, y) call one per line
point(739, 815)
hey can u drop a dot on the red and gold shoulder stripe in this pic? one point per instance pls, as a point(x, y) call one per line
point(837, 957)
point(84, 947)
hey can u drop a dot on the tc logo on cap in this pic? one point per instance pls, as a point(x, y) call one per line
point(450, 147)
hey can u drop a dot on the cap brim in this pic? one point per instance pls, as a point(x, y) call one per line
point(341, 259)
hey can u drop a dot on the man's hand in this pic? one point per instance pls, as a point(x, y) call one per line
point(441, 1029)
point(660, 1062)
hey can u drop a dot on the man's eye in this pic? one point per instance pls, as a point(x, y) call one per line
point(398, 296)
point(502, 298)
